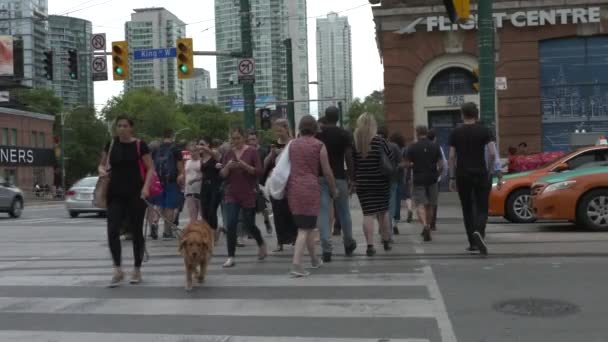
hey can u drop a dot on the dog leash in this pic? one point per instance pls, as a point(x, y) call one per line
point(178, 232)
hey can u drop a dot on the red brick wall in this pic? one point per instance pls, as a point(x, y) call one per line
point(519, 107)
point(24, 126)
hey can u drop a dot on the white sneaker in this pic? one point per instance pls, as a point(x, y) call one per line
point(297, 271)
point(316, 263)
point(229, 263)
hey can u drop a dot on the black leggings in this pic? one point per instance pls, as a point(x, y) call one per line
point(130, 211)
point(210, 202)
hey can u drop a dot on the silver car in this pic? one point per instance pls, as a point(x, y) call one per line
point(79, 199)
point(11, 199)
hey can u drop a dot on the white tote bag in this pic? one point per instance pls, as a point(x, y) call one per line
point(277, 182)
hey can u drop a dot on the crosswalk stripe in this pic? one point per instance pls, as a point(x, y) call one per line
point(395, 308)
point(45, 336)
point(225, 280)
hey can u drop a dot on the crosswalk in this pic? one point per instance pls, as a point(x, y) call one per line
point(64, 298)
point(53, 221)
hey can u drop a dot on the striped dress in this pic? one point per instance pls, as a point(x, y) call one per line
point(372, 186)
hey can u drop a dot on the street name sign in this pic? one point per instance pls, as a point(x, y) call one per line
point(154, 54)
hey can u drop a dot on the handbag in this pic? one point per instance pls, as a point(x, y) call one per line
point(386, 165)
point(100, 194)
point(277, 182)
point(156, 188)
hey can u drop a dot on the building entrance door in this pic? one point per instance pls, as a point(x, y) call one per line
point(443, 122)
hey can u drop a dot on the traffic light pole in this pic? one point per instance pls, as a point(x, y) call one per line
point(291, 108)
point(487, 79)
point(63, 181)
point(248, 90)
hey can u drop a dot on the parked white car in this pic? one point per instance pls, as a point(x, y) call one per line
point(79, 198)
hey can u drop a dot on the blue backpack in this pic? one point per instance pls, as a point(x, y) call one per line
point(165, 163)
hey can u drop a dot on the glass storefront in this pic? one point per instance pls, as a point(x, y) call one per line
point(574, 89)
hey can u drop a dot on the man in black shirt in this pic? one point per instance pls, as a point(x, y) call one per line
point(469, 173)
point(424, 157)
point(339, 149)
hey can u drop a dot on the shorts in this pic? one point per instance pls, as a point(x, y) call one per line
point(169, 198)
point(305, 222)
point(196, 196)
point(426, 194)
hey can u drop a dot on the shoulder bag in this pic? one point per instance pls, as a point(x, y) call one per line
point(156, 187)
point(100, 194)
point(277, 182)
point(386, 165)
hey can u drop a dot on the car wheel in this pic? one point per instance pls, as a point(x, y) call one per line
point(74, 214)
point(16, 208)
point(592, 210)
point(519, 207)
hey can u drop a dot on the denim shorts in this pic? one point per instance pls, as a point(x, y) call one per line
point(169, 198)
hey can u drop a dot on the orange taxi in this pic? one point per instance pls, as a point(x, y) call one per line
point(579, 196)
point(513, 200)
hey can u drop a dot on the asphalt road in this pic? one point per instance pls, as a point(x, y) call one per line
point(53, 272)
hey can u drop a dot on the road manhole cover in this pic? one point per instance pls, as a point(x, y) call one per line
point(536, 307)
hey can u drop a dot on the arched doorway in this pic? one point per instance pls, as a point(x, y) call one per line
point(442, 86)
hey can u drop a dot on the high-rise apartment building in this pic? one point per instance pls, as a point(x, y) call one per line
point(272, 22)
point(197, 87)
point(154, 28)
point(26, 21)
point(66, 33)
point(334, 62)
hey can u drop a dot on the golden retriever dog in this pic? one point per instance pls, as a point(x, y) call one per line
point(196, 246)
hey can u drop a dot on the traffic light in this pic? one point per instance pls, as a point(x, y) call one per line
point(458, 10)
point(73, 64)
point(120, 60)
point(185, 58)
point(48, 65)
point(265, 119)
point(476, 78)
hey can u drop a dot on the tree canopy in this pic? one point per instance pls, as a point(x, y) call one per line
point(373, 104)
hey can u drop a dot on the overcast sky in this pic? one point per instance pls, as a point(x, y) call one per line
point(109, 16)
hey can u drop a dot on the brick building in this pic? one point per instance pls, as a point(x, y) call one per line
point(553, 55)
point(26, 148)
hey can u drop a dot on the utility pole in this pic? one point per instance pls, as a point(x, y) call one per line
point(248, 90)
point(487, 73)
point(291, 108)
point(63, 182)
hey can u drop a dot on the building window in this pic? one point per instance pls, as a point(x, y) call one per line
point(452, 81)
point(10, 176)
point(574, 89)
point(13, 137)
point(41, 140)
point(34, 139)
point(4, 136)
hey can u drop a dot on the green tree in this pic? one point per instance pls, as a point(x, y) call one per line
point(210, 121)
point(152, 111)
point(40, 101)
point(85, 136)
point(373, 103)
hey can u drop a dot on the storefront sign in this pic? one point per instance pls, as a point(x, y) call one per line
point(23, 156)
point(518, 19)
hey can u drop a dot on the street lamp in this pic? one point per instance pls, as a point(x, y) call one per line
point(64, 116)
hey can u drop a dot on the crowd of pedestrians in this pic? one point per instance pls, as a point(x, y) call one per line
point(328, 165)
